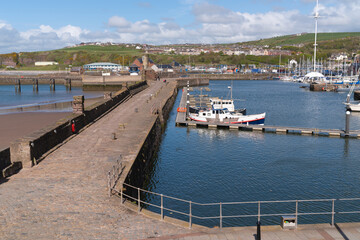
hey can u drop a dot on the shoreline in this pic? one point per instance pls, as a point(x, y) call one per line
point(17, 125)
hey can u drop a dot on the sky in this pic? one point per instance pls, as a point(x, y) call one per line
point(44, 24)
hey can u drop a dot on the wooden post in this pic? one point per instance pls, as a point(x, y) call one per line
point(35, 85)
point(52, 84)
point(17, 86)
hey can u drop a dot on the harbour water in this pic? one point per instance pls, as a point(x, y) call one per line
point(10, 99)
point(213, 165)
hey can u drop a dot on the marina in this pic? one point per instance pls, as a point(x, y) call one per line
point(190, 120)
point(183, 120)
point(277, 166)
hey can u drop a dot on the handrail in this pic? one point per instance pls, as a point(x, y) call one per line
point(221, 216)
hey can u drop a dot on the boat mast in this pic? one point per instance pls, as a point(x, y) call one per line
point(316, 29)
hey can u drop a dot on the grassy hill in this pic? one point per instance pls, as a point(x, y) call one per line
point(75, 56)
point(121, 50)
point(305, 38)
point(329, 43)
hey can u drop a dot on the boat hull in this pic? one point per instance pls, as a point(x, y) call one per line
point(353, 107)
point(245, 119)
point(256, 122)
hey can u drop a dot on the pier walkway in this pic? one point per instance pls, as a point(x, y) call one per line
point(65, 196)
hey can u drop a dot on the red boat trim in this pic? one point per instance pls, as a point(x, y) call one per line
point(197, 120)
point(248, 121)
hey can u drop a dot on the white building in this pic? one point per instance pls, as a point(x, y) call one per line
point(50, 63)
point(103, 66)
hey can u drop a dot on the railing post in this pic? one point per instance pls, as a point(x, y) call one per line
point(259, 211)
point(109, 183)
point(162, 207)
point(117, 168)
point(121, 194)
point(220, 215)
point(138, 200)
point(296, 212)
point(114, 172)
point(333, 213)
point(190, 216)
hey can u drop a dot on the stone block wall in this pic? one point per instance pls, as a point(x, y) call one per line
point(4, 160)
point(28, 150)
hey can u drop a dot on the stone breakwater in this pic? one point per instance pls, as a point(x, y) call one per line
point(65, 196)
point(28, 150)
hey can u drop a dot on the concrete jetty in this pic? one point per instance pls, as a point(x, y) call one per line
point(65, 196)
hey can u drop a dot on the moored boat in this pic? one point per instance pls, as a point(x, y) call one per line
point(354, 107)
point(225, 116)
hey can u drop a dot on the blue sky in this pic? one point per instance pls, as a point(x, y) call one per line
point(41, 25)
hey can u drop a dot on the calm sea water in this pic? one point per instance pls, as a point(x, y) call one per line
point(9, 98)
point(211, 166)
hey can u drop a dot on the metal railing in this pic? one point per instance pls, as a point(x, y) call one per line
point(220, 216)
point(114, 175)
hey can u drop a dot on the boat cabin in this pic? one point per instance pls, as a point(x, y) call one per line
point(218, 103)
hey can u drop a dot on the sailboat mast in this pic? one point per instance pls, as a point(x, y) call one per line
point(316, 29)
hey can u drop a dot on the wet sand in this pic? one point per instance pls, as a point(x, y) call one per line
point(16, 125)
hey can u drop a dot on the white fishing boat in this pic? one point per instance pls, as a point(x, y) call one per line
point(223, 111)
point(225, 116)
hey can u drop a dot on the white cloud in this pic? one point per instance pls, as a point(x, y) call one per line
point(118, 22)
point(212, 24)
point(216, 24)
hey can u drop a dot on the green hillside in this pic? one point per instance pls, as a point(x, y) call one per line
point(301, 46)
point(122, 50)
point(76, 56)
point(301, 39)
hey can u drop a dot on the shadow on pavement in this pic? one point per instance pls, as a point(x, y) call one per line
point(341, 232)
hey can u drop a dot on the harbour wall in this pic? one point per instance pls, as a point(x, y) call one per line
point(29, 150)
point(136, 172)
point(235, 76)
point(323, 87)
point(108, 83)
point(39, 107)
point(182, 82)
point(4, 159)
point(76, 81)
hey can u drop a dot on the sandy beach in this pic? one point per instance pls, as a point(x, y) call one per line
point(16, 125)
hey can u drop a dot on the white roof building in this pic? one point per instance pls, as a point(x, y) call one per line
point(103, 66)
point(49, 63)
